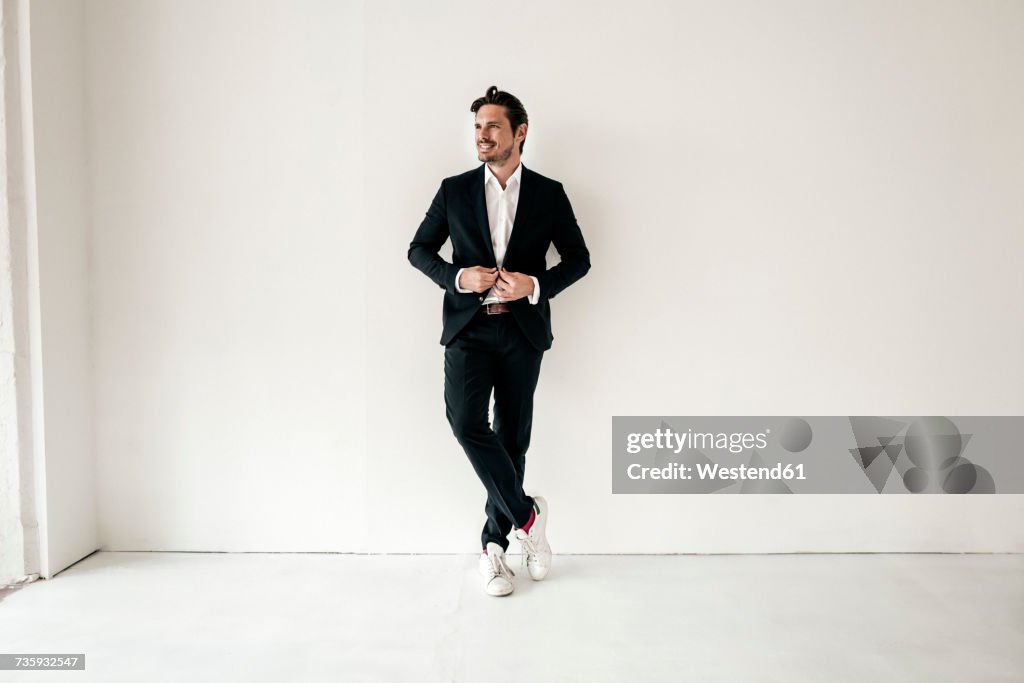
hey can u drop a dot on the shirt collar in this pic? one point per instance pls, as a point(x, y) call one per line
point(516, 176)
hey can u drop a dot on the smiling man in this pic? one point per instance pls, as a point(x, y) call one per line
point(501, 218)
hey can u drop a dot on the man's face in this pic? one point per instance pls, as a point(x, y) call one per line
point(495, 140)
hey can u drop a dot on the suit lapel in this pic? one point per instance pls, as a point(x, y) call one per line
point(476, 189)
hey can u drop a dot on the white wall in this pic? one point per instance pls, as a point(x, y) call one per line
point(19, 383)
point(61, 189)
point(792, 209)
point(229, 279)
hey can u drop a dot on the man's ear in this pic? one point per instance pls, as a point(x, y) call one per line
point(522, 129)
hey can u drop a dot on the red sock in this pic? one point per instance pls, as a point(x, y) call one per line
point(485, 551)
point(529, 523)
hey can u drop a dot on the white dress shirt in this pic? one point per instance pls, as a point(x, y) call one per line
point(501, 214)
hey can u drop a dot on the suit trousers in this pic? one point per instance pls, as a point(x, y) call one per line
point(492, 354)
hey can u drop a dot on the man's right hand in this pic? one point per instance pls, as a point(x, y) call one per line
point(478, 279)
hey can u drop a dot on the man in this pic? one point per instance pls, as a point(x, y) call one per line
point(501, 218)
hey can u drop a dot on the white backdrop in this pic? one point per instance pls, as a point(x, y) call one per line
point(792, 208)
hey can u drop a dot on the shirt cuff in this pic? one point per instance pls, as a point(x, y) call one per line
point(458, 289)
point(535, 297)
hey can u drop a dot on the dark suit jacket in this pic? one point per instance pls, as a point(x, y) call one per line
point(543, 217)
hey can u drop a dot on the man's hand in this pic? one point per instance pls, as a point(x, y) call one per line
point(512, 286)
point(478, 279)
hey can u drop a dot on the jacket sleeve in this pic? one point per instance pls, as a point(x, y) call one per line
point(568, 240)
point(430, 236)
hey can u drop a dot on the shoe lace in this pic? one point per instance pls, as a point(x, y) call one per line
point(528, 547)
point(499, 567)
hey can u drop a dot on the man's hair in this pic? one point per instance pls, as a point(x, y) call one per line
point(514, 109)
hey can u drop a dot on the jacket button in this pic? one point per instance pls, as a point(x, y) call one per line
point(481, 298)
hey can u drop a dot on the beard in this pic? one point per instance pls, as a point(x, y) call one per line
point(495, 155)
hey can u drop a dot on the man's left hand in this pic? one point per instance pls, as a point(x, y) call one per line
point(512, 286)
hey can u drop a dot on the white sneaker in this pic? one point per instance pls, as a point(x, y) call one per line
point(495, 570)
point(536, 551)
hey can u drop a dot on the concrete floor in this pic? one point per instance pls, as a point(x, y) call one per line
point(293, 617)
